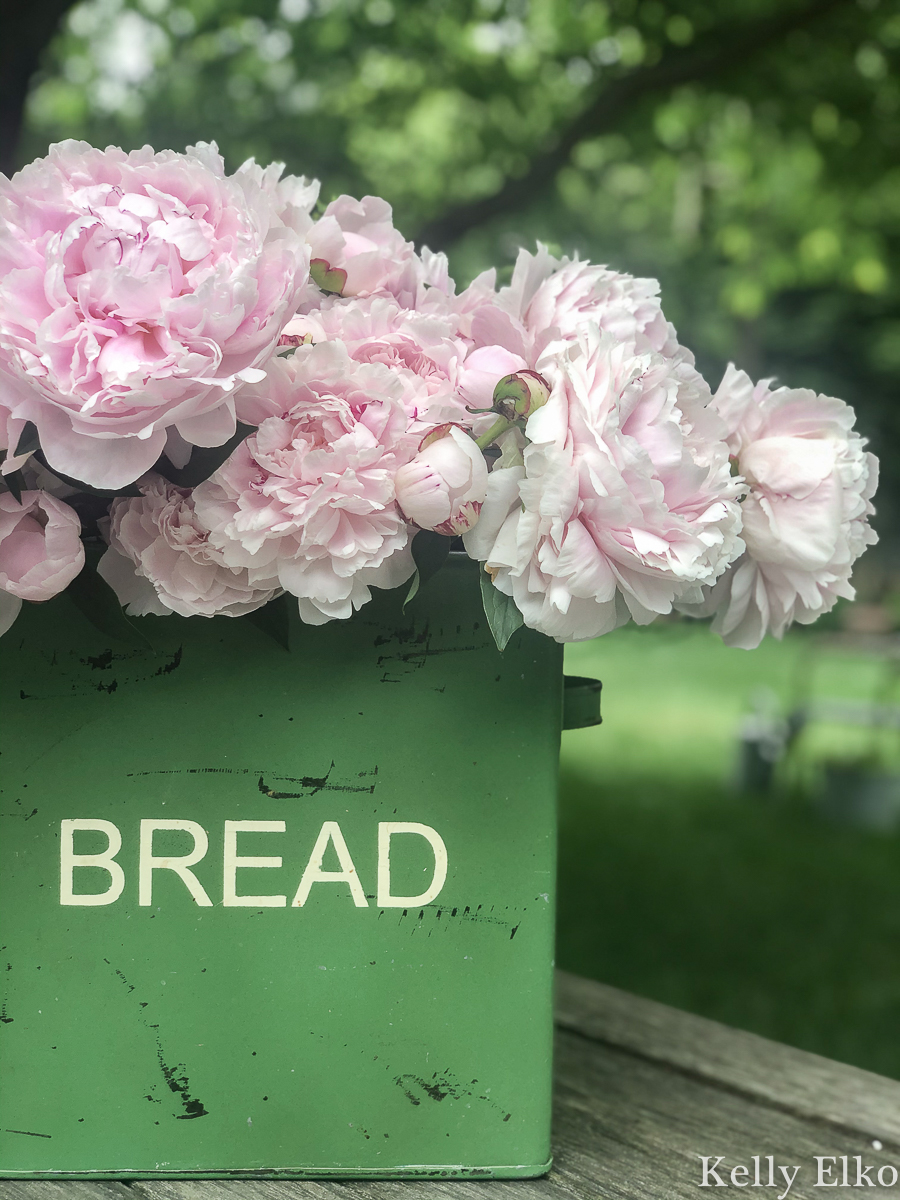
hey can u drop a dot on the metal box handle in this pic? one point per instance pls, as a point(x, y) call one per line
point(581, 702)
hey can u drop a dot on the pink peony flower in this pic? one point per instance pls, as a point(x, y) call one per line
point(624, 497)
point(307, 502)
point(805, 517)
point(432, 341)
point(549, 300)
point(40, 550)
point(356, 251)
point(422, 348)
point(160, 559)
point(137, 293)
point(444, 486)
point(556, 297)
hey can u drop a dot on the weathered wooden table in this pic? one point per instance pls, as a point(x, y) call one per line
point(643, 1094)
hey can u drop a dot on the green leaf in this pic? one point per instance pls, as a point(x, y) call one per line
point(501, 612)
point(130, 489)
point(100, 604)
point(15, 481)
point(274, 620)
point(203, 461)
point(28, 440)
point(331, 280)
point(429, 551)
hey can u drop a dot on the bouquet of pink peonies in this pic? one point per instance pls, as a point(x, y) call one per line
point(236, 401)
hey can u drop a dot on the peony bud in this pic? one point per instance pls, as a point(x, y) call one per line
point(518, 395)
point(444, 486)
point(40, 550)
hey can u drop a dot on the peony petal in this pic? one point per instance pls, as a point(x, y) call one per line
point(9, 610)
point(211, 428)
point(135, 593)
point(111, 462)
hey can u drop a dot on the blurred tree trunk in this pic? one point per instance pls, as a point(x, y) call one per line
point(27, 27)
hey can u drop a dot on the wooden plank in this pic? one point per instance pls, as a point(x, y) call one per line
point(62, 1189)
point(785, 1077)
point(631, 1127)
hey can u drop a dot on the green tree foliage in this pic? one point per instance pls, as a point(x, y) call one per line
point(742, 151)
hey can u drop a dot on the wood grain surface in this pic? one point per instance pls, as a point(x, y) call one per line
point(642, 1092)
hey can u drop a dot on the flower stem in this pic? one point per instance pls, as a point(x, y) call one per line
point(500, 426)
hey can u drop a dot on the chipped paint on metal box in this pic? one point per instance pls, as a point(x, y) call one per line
point(271, 912)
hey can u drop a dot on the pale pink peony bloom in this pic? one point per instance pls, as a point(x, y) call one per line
point(805, 517)
point(624, 498)
point(424, 348)
point(547, 302)
point(550, 300)
point(138, 292)
point(307, 502)
point(40, 550)
point(356, 251)
point(160, 559)
point(555, 297)
point(444, 486)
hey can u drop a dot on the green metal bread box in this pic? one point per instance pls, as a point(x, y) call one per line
point(272, 912)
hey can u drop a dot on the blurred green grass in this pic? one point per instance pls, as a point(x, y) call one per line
point(752, 910)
